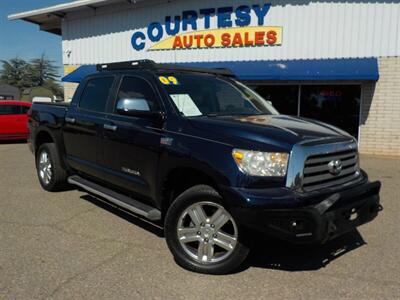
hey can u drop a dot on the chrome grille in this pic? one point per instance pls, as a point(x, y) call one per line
point(318, 174)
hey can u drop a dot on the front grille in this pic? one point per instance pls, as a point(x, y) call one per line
point(317, 173)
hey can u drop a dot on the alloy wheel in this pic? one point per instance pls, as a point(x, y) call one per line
point(207, 232)
point(45, 168)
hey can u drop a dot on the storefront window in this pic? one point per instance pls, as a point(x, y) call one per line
point(338, 105)
point(334, 104)
point(283, 97)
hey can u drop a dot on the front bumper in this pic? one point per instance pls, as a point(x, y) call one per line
point(333, 216)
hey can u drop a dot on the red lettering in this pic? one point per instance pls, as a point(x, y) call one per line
point(225, 39)
point(237, 40)
point(177, 42)
point(271, 37)
point(198, 38)
point(188, 41)
point(209, 40)
point(247, 40)
point(259, 38)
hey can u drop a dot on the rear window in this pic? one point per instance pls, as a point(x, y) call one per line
point(10, 110)
point(96, 93)
point(24, 109)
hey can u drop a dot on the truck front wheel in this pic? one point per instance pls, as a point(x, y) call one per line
point(202, 234)
point(52, 176)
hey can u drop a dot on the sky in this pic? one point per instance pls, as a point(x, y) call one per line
point(23, 39)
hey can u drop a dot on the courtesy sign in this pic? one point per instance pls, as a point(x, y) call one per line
point(233, 29)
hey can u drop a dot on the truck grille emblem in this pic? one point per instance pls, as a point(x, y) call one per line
point(335, 167)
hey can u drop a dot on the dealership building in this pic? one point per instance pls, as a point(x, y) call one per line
point(336, 61)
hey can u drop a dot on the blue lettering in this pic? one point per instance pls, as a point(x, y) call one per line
point(207, 12)
point(243, 16)
point(224, 17)
point(159, 32)
point(189, 17)
point(261, 12)
point(168, 23)
point(135, 37)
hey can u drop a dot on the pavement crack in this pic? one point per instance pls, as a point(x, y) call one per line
point(87, 271)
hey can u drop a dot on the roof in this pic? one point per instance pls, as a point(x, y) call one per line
point(8, 87)
point(49, 18)
point(317, 70)
point(15, 102)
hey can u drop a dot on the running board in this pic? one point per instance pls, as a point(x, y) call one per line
point(123, 201)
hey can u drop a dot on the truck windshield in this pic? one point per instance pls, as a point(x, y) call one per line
point(209, 95)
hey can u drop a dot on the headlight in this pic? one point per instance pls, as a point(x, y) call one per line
point(257, 163)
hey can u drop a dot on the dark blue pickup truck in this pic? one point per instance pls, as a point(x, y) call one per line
point(206, 157)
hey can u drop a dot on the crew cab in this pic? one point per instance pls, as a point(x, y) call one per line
point(206, 157)
point(14, 120)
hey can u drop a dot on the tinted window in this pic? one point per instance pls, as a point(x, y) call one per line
point(138, 93)
point(96, 93)
point(283, 97)
point(9, 110)
point(338, 105)
point(24, 110)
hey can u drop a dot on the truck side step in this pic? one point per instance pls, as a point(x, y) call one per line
point(123, 201)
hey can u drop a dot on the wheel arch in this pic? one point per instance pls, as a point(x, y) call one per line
point(44, 135)
point(180, 179)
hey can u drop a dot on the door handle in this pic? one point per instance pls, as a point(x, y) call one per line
point(70, 120)
point(110, 127)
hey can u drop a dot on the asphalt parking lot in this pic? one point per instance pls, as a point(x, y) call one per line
point(71, 245)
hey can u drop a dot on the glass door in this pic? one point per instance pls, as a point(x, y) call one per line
point(283, 97)
point(338, 105)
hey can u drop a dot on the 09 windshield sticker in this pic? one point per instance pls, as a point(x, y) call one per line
point(168, 80)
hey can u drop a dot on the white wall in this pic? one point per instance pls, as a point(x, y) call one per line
point(311, 30)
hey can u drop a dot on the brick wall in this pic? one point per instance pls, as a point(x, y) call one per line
point(380, 111)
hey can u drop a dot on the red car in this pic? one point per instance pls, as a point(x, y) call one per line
point(14, 120)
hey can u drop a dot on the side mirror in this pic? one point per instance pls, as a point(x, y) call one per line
point(137, 107)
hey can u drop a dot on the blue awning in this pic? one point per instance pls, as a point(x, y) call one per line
point(80, 73)
point(324, 69)
point(315, 70)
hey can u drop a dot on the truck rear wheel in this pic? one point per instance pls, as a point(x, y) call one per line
point(52, 176)
point(202, 234)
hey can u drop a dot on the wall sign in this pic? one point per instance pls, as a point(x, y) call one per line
point(181, 32)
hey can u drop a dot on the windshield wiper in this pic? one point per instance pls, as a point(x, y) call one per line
point(233, 114)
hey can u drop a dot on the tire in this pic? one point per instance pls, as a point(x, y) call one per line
point(52, 176)
point(199, 243)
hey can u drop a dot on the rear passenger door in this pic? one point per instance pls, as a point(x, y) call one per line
point(83, 130)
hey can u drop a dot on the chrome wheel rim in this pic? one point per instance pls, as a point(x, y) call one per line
point(207, 232)
point(45, 168)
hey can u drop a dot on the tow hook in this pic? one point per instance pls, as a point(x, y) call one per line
point(323, 206)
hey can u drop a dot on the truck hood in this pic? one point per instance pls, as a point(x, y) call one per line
point(280, 132)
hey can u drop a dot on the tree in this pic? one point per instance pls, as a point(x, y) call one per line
point(15, 72)
point(42, 70)
point(54, 87)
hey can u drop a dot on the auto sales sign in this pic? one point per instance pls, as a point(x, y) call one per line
point(233, 29)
